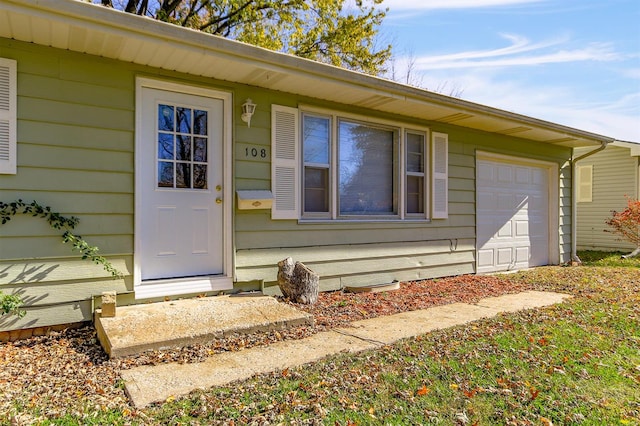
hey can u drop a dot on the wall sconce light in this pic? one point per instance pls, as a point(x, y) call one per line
point(248, 108)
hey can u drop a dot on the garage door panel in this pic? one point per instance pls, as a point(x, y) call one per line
point(523, 175)
point(505, 174)
point(512, 216)
point(505, 202)
point(504, 256)
point(506, 230)
point(522, 254)
point(487, 200)
point(485, 258)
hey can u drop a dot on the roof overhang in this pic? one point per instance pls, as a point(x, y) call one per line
point(633, 147)
point(87, 28)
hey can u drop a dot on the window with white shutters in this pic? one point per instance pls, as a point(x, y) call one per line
point(329, 167)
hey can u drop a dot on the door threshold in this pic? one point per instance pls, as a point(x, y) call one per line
point(182, 286)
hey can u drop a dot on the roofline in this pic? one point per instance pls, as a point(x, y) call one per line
point(139, 26)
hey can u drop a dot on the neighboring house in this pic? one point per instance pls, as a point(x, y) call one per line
point(135, 126)
point(605, 179)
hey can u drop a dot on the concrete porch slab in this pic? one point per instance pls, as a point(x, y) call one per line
point(179, 323)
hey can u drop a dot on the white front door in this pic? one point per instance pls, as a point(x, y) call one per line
point(180, 210)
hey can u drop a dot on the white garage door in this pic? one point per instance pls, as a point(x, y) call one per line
point(512, 222)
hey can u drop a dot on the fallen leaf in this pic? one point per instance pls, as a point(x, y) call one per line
point(424, 390)
point(545, 421)
point(533, 392)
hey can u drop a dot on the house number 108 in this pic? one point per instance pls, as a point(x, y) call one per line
point(255, 152)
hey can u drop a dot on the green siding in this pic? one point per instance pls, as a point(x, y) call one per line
point(76, 148)
point(407, 246)
point(75, 154)
point(615, 175)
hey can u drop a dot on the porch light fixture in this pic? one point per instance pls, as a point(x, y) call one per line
point(248, 108)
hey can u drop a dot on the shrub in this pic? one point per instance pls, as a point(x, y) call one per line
point(626, 224)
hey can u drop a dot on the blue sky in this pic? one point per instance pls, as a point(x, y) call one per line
point(572, 62)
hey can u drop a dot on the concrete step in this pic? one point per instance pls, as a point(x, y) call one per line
point(180, 323)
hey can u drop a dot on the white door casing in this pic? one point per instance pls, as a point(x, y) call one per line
point(183, 224)
point(516, 213)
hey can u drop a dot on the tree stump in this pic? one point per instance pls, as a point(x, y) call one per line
point(297, 282)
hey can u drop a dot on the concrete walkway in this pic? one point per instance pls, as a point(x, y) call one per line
point(149, 384)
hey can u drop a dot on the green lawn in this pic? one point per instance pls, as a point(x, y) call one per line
point(574, 363)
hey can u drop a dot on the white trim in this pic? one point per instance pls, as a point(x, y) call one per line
point(554, 195)
point(158, 288)
point(175, 287)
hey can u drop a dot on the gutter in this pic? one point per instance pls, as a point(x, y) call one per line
point(574, 201)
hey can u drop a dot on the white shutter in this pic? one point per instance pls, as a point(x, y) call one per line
point(585, 184)
point(439, 167)
point(8, 121)
point(285, 164)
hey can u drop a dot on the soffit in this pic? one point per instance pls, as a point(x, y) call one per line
point(92, 29)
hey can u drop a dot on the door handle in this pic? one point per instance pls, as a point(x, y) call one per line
point(218, 200)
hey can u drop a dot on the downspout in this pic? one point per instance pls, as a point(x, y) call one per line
point(574, 201)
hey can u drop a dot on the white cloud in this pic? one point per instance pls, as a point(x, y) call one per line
point(520, 52)
point(619, 118)
point(450, 4)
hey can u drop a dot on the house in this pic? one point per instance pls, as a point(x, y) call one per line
point(605, 179)
point(143, 130)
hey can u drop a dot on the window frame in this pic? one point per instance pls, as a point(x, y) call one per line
point(400, 131)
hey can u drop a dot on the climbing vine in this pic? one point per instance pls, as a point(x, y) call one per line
point(59, 222)
point(10, 304)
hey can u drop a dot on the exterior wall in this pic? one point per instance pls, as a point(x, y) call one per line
point(75, 154)
point(615, 176)
point(346, 254)
point(76, 120)
point(76, 145)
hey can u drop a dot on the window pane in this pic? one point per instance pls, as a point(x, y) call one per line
point(316, 139)
point(183, 148)
point(316, 190)
point(199, 122)
point(165, 174)
point(183, 175)
point(366, 169)
point(200, 149)
point(415, 153)
point(165, 146)
point(165, 118)
point(184, 120)
point(415, 194)
point(200, 176)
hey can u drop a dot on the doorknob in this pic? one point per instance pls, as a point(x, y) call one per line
point(218, 200)
point(218, 188)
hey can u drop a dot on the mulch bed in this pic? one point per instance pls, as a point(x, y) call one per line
point(66, 372)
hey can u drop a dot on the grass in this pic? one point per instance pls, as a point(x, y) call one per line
point(573, 363)
point(610, 259)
